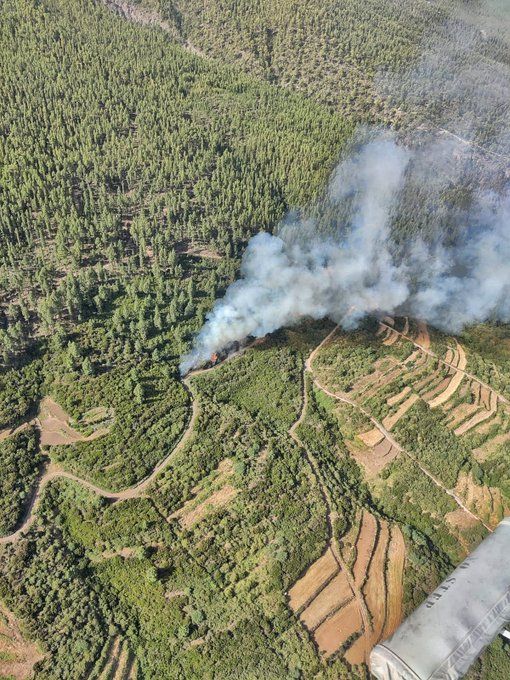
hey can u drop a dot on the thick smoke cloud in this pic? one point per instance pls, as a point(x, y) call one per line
point(359, 270)
point(416, 225)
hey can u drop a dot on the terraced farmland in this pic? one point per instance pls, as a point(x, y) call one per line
point(334, 596)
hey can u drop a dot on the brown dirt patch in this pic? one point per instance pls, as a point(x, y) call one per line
point(383, 592)
point(391, 338)
point(479, 417)
point(372, 437)
point(414, 356)
point(335, 594)
point(454, 382)
point(364, 547)
point(424, 381)
point(484, 501)
point(376, 459)
point(460, 519)
point(357, 652)
point(111, 660)
point(423, 338)
point(392, 401)
point(382, 449)
point(385, 379)
point(55, 428)
point(390, 421)
point(4, 434)
point(204, 501)
point(304, 590)
point(337, 629)
point(17, 655)
point(170, 594)
point(490, 446)
point(460, 413)
point(374, 590)
point(197, 250)
point(126, 553)
point(122, 662)
point(486, 397)
point(438, 389)
point(394, 580)
point(9, 432)
point(476, 391)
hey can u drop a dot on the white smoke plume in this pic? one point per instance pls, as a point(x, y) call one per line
point(418, 227)
point(358, 269)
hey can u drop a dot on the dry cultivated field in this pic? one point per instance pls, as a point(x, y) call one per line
point(350, 601)
point(349, 604)
point(471, 408)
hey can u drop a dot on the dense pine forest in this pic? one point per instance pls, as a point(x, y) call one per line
point(157, 527)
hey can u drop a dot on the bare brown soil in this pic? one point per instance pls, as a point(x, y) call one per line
point(376, 459)
point(111, 661)
point(396, 398)
point(218, 495)
point(201, 251)
point(390, 421)
point(383, 592)
point(486, 502)
point(122, 662)
point(438, 389)
point(336, 630)
point(461, 413)
point(490, 446)
point(54, 426)
point(336, 593)
point(52, 471)
point(460, 520)
point(424, 381)
point(313, 580)
point(480, 417)
point(126, 553)
point(364, 547)
point(423, 338)
point(372, 437)
point(5, 433)
point(17, 655)
point(395, 582)
point(485, 397)
point(375, 586)
point(414, 356)
point(391, 339)
point(455, 381)
point(385, 379)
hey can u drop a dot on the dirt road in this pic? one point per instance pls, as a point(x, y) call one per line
point(51, 471)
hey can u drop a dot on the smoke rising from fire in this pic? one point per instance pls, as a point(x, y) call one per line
point(359, 269)
point(416, 225)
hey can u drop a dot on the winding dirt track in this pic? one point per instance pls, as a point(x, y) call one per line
point(51, 471)
point(387, 434)
point(360, 600)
